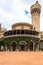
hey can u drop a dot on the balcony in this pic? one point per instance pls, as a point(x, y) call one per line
point(16, 33)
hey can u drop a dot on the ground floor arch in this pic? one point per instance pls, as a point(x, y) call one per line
point(13, 46)
point(31, 46)
point(22, 46)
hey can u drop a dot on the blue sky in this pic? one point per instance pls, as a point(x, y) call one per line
point(14, 11)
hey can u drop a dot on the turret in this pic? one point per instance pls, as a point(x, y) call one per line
point(35, 13)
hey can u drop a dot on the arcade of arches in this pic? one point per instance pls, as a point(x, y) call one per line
point(23, 46)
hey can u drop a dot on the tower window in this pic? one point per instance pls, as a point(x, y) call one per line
point(34, 28)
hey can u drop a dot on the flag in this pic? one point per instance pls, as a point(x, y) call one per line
point(26, 12)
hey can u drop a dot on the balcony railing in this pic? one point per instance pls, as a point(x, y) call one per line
point(21, 33)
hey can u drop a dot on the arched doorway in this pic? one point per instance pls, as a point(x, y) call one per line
point(22, 46)
point(13, 45)
point(31, 46)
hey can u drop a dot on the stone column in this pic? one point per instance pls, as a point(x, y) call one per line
point(17, 49)
point(34, 46)
point(6, 48)
point(10, 47)
point(38, 46)
point(28, 49)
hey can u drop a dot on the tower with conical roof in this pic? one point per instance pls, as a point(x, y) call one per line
point(35, 13)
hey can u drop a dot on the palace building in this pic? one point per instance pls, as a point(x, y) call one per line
point(24, 36)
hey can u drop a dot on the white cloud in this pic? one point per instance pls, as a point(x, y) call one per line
point(2, 1)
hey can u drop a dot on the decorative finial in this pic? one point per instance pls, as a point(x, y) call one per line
point(36, 1)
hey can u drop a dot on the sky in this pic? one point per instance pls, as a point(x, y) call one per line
point(14, 11)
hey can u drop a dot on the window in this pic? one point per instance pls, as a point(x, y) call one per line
point(22, 27)
point(31, 28)
point(41, 36)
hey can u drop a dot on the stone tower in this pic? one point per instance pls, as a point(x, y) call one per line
point(35, 12)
